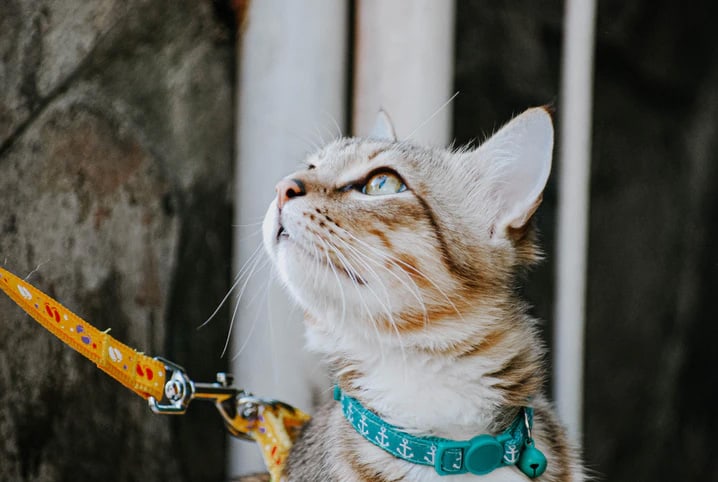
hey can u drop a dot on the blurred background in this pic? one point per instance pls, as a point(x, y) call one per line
point(140, 140)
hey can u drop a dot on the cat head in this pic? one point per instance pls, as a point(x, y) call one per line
point(379, 239)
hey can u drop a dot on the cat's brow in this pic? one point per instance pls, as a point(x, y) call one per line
point(351, 155)
point(375, 153)
point(359, 171)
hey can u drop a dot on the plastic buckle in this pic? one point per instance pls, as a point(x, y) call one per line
point(484, 455)
point(480, 456)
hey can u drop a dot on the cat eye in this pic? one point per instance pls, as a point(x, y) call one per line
point(383, 183)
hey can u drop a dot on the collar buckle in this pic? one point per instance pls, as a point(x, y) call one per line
point(479, 456)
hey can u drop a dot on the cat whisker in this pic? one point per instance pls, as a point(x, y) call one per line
point(315, 255)
point(328, 130)
point(385, 306)
point(272, 339)
point(320, 134)
point(435, 113)
point(252, 258)
point(239, 299)
point(313, 146)
point(361, 261)
point(416, 293)
point(248, 225)
point(399, 263)
point(330, 263)
point(341, 288)
point(302, 135)
point(348, 268)
point(250, 235)
point(253, 221)
point(251, 327)
point(336, 124)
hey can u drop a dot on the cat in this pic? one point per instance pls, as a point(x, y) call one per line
point(404, 259)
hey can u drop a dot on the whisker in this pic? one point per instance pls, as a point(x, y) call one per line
point(341, 291)
point(349, 269)
point(319, 133)
point(250, 235)
point(272, 345)
point(253, 221)
point(387, 311)
point(248, 336)
point(398, 263)
point(328, 131)
point(336, 124)
point(330, 263)
point(248, 225)
point(436, 112)
point(317, 256)
point(238, 279)
point(389, 314)
point(314, 145)
point(257, 314)
point(415, 291)
point(239, 299)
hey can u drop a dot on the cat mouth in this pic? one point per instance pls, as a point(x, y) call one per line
point(352, 275)
point(282, 233)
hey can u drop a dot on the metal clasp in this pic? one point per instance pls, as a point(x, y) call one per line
point(234, 405)
point(528, 422)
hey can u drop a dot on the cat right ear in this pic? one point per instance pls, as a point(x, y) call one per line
point(520, 158)
point(383, 127)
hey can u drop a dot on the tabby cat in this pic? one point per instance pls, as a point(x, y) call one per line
point(404, 259)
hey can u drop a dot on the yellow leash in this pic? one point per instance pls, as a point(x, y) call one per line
point(273, 425)
point(143, 375)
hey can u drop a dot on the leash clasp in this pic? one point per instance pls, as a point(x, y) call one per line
point(178, 390)
point(234, 405)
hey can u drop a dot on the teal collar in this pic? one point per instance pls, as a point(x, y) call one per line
point(480, 455)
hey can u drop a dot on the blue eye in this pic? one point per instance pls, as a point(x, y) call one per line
point(384, 183)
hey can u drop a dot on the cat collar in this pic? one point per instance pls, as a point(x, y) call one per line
point(165, 385)
point(480, 455)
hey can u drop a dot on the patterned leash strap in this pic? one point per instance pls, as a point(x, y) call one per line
point(142, 374)
point(273, 425)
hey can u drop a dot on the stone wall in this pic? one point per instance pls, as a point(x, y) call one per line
point(115, 178)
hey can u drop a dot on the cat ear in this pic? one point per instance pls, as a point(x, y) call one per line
point(383, 127)
point(520, 158)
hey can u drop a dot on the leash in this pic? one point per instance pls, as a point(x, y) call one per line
point(165, 385)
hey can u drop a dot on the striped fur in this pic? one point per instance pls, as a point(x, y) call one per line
point(411, 297)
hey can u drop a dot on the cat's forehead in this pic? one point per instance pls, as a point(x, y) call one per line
point(355, 154)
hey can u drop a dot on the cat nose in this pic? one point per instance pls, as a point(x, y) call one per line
point(287, 189)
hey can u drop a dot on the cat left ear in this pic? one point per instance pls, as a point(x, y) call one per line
point(520, 155)
point(383, 127)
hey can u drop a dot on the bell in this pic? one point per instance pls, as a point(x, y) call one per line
point(532, 461)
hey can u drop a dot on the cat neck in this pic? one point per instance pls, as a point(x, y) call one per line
point(454, 389)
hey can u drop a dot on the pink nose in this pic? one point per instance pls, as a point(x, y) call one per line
point(287, 189)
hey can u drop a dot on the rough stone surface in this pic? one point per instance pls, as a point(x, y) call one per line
point(115, 163)
point(653, 263)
